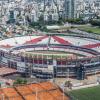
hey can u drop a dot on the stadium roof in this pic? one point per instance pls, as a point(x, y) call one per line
point(36, 91)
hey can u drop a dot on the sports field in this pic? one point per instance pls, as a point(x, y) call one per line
point(92, 93)
point(90, 29)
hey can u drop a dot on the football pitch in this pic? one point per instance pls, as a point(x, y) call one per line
point(92, 93)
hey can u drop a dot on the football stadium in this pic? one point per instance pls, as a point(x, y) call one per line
point(52, 55)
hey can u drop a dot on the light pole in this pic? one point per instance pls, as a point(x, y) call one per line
point(36, 94)
point(63, 91)
point(68, 74)
point(2, 96)
point(95, 75)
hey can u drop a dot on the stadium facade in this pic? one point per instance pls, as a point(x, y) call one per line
point(51, 56)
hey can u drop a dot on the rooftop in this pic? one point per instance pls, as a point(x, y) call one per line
point(6, 71)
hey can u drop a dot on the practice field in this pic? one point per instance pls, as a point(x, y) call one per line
point(92, 93)
point(90, 29)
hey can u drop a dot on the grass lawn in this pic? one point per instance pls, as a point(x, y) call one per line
point(92, 93)
point(90, 29)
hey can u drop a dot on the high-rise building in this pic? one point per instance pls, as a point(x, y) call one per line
point(70, 9)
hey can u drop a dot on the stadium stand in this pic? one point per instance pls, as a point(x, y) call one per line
point(33, 41)
point(62, 41)
point(92, 45)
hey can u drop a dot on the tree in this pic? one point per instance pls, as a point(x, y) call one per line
point(76, 21)
point(20, 81)
point(68, 84)
point(95, 22)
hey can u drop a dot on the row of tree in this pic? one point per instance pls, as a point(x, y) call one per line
point(41, 24)
point(76, 21)
point(95, 22)
point(20, 81)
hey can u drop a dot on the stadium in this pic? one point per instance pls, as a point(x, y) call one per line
point(52, 55)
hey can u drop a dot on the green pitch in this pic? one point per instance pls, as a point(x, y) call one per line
point(92, 93)
point(90, 29)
